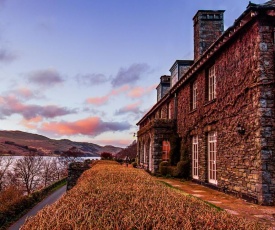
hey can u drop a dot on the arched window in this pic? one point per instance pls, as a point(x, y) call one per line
point(165, 150)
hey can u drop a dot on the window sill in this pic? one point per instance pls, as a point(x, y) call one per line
point(193, 111)
point(210, 102)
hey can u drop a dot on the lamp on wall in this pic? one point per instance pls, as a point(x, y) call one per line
point(240, 129)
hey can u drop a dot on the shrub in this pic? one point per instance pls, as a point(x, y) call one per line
point(183, 169)
point(175, 149)
point(20, 204)
point(106, 156)
point(172, 171)
point(163, 167)
point(134, 164)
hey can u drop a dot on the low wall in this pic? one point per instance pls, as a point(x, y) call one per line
point(75, 170)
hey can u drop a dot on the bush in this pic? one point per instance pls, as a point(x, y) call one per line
point(163, 167)
point(172, 171)
point(183, 169)
point(134, 164)
point(106, 156)
point(19, 206)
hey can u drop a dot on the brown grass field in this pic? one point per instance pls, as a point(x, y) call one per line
point(111, 196)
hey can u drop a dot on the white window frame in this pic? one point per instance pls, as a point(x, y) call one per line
point(195, 157)
point(212, 157)
point(194, 95)
point(170, 110)
point(211, 83)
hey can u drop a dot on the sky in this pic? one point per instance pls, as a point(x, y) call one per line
point(87, 70)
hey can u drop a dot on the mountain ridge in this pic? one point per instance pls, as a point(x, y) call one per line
point(19, 143)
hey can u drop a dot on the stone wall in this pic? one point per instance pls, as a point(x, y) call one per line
point(75, 170)
point(244, 97)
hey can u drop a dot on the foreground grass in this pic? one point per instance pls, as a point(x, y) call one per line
point(110, 196)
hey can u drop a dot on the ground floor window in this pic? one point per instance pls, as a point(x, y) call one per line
point(165, 150)
point(195, 157)
point(212, 155)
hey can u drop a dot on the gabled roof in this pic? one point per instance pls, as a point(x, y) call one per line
point(239, 23)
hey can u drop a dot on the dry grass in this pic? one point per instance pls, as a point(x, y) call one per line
point(110, 196)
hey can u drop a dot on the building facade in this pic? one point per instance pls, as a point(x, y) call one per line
point(222, 107)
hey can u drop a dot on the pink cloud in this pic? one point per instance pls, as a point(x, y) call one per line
point(139, 92)
point(131, 108)
point(24, 92)
point(97, 100)
point(104, 99)
point(92, 126)
point(31, 123)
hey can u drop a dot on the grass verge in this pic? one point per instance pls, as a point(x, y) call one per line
point(110, 196)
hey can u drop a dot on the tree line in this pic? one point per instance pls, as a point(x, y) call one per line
point(30, 173)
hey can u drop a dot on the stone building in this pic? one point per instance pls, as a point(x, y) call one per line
point(221, 106)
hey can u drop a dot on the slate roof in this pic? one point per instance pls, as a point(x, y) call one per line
point(268, 4)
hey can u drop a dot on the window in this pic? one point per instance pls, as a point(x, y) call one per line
point(194, 95)
point(174, 76)
point(159, 93)
point(195, 157)
point(212, 154)
point(165, 150)
point(170, 110)
point(211, 83)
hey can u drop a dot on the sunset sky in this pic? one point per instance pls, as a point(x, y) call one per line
point(86, 70)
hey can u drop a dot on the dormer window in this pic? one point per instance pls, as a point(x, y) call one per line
point(174, 75)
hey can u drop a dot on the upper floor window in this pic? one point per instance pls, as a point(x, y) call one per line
point(194, 95)
point(170, 110)
point(174, 77)
point(211, 83)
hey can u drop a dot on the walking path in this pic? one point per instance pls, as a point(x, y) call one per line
point(47, 201)
point(231, 204)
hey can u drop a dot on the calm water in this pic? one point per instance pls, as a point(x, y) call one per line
point(14, 158)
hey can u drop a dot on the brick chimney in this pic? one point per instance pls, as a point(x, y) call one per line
point(208, 26)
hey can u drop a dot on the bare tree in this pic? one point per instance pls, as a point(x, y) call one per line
point(28, 171)
point(48, 171)
point(5, 163)
point(60, 167)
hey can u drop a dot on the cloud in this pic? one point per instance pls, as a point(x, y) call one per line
point(23, 93)
point(104, 99)
point(31, 123)
point(139, 92)
point(11, 105)
point(91, 126)
point(94, 111)
point(131, 108)
point(6, 55)
point(45, 78)
point(92, 79)
point(98, 100)
point(130, 75)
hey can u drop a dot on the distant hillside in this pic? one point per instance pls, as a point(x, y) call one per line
point(130, 151)
point(22, 143)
